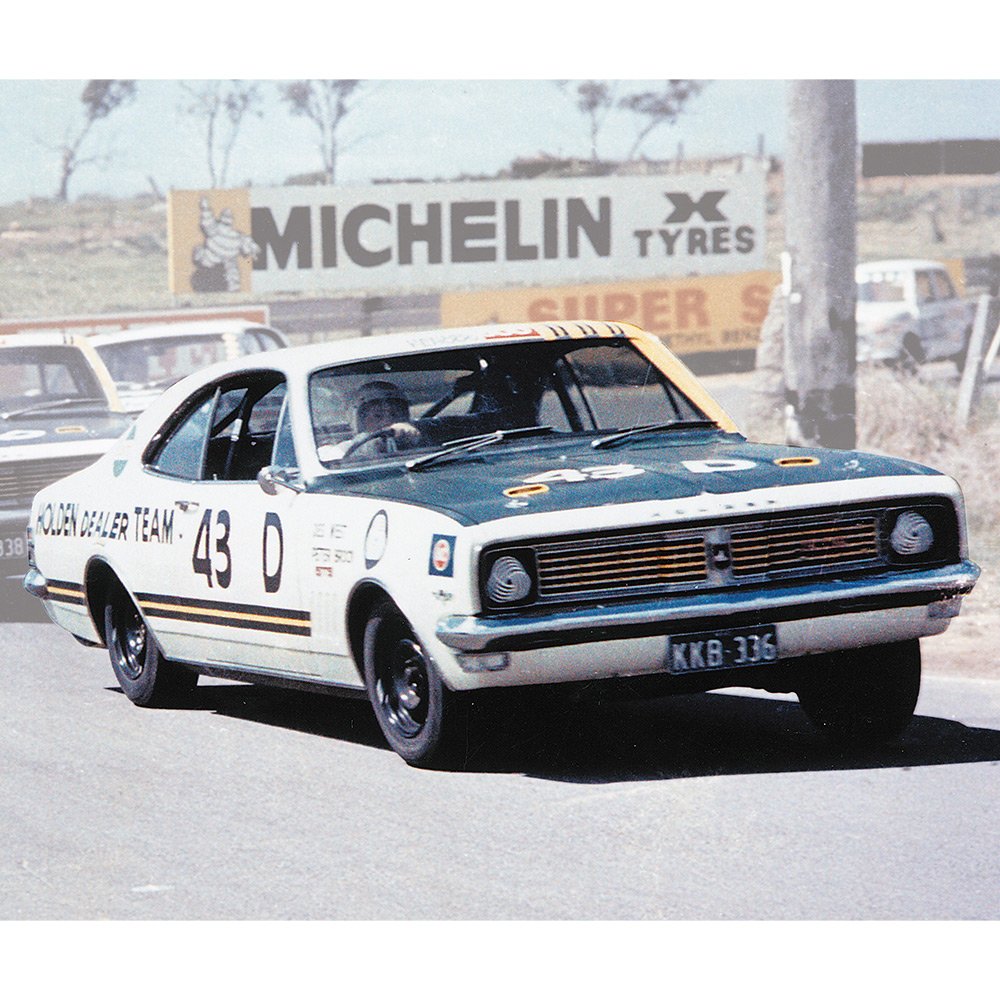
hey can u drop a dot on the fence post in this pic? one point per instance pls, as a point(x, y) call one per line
point(369, 306)
point(973, 371)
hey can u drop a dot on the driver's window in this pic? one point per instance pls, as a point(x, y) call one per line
point(227, 429)
point(942, 285)
point(244, 428)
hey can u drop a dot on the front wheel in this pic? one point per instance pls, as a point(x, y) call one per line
point(146, 676)
point(415, 711)
point(861, 695)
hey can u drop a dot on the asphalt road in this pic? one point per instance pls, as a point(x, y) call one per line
point(268, 804)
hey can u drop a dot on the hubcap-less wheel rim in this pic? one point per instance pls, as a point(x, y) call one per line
point(402, 687)
point(131, 643)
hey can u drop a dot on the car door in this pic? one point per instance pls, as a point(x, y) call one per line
point(226, 597)
point(954, 315)
point(932, 317)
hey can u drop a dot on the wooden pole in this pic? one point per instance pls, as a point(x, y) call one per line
point(976, 366)
point(820, 237)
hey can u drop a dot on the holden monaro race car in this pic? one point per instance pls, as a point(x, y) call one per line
point(422, 515)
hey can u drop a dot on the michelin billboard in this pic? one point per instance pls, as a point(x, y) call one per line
point(465, 235)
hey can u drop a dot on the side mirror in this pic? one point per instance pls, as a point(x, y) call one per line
point(273, 478)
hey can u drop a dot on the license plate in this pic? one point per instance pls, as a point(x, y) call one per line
point(13, 548)
point(722, 649)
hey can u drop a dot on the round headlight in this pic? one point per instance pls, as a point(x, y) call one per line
point(912, 534)
point(508, 581)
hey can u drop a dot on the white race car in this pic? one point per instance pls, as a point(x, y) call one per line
point(145, 360)
point(58, 413)
point(423, 515)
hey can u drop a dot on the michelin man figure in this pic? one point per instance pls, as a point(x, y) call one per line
point(224, 245)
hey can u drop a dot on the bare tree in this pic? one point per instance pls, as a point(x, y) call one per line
point(99, 99)
point(223, 105)
point(658, 107)
point(596, 99)
point(325, 103)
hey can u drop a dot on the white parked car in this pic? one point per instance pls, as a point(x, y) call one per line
point(422, 515)
point(145, 360)
point(908, 312)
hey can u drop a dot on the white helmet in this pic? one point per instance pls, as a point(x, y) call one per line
point(378, 392)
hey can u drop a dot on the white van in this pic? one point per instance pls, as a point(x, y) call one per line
point(908, 312)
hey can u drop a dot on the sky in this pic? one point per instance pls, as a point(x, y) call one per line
point(434, 129)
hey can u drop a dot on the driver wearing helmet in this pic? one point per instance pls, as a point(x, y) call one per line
point(380, 421)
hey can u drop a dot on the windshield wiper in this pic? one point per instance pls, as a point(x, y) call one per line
point(474, 443)
point(671, 425)
point(52, 404)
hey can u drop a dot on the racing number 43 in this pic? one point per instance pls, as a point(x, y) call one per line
point(213, 557)
point(202, 558)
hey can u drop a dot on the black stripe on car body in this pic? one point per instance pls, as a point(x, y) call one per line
point(248, 616)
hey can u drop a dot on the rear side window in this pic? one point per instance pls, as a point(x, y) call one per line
point(183, 453)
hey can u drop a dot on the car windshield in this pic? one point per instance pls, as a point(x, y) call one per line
point(159, 362)
point(34, 376)
point(881, 288)
point(419, 403)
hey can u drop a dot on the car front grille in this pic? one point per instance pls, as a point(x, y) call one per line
point(810, 545)
point(716, 555)
point(620, 563)
point(22, 480)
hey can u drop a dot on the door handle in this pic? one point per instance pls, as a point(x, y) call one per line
point(186, 504)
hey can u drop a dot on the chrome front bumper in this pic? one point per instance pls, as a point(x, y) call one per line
point(36, 584)
point(691, 613)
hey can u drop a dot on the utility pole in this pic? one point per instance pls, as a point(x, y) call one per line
point(821, 245)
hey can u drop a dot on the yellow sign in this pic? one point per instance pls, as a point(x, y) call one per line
point(714, 313)
point(210, 248)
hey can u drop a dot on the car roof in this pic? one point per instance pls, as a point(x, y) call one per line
point(900, 264)
point(81, 344)
point(193, 328)
point(47, 338)
point(298, 362)
point(310, 357)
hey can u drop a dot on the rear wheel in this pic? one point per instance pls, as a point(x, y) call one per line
point(145, 675)
point(415, 711)
point(861, 695)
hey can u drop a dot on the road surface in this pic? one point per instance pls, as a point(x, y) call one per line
point(266, 804)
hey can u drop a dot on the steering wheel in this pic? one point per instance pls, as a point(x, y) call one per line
point(383, 432)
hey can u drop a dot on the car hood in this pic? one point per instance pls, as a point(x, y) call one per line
point(476, 487)
point(871, 315)
point(19, 437)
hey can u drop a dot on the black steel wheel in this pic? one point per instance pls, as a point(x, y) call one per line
point(861, 696)
point(414, 709)
point(146, 677)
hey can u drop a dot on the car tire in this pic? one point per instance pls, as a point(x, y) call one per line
point(416, 712)
point(911, 355)
point(861, 696)
point(145, 675)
